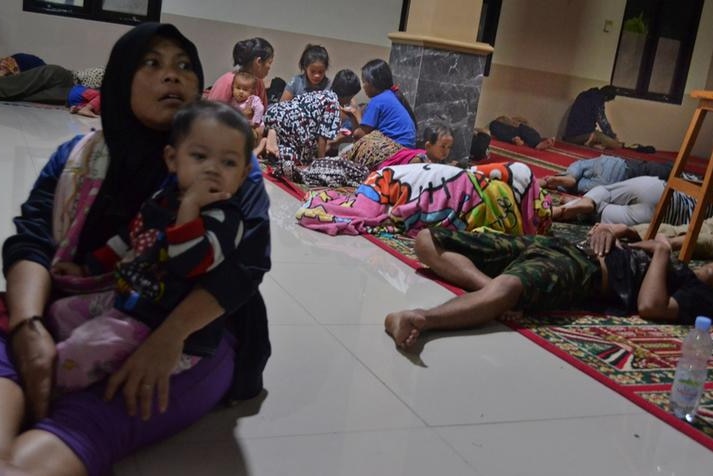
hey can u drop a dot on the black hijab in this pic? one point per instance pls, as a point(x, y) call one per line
point(136, 166)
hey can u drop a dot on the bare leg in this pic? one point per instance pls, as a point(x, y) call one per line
point(463, 312)
point(571, 210)
point(35, 452)
point(567, 182)
point(452, 267)
point(39, 453)
point(260, 147)
point(12, 409)
point(590, 140)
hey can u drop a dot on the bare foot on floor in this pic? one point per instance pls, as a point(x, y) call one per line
point(405, 327)
point(545, 143)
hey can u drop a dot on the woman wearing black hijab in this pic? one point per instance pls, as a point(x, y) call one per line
point(153, 70)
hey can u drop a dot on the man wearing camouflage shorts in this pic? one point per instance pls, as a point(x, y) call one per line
point(503, 273)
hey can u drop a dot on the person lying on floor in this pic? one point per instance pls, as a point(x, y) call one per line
point(372, 152)
point(49, 83)
point(406, 198)
point(629, 202)
point(516, 130)
point(702, 250)
point(585, 174)
point(503, 273)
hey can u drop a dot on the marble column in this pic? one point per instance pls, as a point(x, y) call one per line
point(442, 81)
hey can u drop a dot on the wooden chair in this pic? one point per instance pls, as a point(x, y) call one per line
point(702, 192)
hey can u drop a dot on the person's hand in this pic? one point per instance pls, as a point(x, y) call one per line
point(67, 268)
point(601, 240)
point(34, 354)
point(349, 110)
point(248, 112)
point(659, 243)
point(518, 141)
point(146, 373)
point(203, 192)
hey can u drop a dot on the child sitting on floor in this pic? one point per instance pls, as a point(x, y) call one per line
point(313, 64)
point(183, 232)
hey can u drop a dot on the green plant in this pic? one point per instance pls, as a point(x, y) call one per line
point(636, 25)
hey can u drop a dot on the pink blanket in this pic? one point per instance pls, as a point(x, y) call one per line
point(407, 198)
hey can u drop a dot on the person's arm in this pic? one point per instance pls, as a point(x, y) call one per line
point(603, 122)
point(26, 259)
point(222, 89)
point(258, 110)
point(321, 147)
point(199, 244)
point(353, 112)
point(654, 301)
point(271, 145)
point(148, 370)
point(291, 88)
point(104, 259)
point(368, 121)
point(32, 346)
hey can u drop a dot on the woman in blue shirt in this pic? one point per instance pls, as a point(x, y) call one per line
point(388, 111)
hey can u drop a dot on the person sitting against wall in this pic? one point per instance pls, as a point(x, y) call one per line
point(516, 130)
point(588, 113)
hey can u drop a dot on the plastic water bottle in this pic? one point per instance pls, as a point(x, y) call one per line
point(692, 371)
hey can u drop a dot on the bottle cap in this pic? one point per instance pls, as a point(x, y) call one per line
point(703, 323)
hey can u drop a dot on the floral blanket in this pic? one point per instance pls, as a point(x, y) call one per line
point(407, 198)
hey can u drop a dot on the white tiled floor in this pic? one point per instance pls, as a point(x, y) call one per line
point(341, 400)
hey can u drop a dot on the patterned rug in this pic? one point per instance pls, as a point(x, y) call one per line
point(557, 158)
point(629, 355)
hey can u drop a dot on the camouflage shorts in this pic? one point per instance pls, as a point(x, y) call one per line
point(553, 272)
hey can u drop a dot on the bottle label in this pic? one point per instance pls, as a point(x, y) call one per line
point(687, 387)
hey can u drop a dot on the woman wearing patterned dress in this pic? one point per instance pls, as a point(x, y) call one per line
point(298, 130)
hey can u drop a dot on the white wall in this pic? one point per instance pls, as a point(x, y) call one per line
point(363, 21)
point(75, 43)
